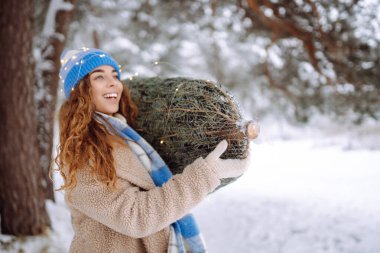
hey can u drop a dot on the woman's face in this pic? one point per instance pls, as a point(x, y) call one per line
point(106, 89)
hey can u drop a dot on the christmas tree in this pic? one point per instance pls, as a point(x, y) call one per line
point(184, 119)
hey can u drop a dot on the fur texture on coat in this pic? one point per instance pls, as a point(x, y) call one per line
point(134, 217)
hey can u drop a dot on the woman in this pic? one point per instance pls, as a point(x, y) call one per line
point(121, 195)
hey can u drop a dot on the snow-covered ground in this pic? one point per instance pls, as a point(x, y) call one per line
point(303, 195)
point(298, 198)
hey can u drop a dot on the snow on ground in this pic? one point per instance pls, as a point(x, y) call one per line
point(299, 196)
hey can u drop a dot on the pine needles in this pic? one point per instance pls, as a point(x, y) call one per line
point(184, 119)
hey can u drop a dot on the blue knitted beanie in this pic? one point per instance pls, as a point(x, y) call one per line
point(76, 64)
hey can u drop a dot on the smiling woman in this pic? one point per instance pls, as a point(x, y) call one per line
point(106, 89)
point(121, 194)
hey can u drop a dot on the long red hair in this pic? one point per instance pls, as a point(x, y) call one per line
point(83, 140)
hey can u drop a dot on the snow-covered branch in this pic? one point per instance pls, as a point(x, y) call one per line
point(54, 7)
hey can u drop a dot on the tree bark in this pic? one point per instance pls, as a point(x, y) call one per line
point(21, 196)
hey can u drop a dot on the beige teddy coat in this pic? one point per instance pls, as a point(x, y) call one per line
point(136, 216)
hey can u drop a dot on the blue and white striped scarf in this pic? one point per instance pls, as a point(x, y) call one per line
point(185, 233)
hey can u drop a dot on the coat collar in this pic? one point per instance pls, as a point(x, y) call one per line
point(129, 167)
point(127, 164)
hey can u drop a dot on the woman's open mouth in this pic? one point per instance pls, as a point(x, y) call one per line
point(111, 95)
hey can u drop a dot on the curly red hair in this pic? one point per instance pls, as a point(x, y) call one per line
point(84, 141)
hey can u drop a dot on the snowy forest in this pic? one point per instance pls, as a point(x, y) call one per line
point(306, 71)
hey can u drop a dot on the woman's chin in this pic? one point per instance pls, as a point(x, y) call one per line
point(109, 111)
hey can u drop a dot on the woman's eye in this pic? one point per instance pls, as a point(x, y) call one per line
point(116, 77)
point(98, 77)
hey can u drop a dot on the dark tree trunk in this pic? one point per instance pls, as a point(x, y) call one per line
point(22, 200)
point(49, 85)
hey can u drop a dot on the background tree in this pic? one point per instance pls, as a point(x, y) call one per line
point(297, 58)
point(28, 100)
point(52, 23)
point(334, 42)
point(22, 204)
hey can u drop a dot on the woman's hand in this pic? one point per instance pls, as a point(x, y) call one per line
point(226, 168)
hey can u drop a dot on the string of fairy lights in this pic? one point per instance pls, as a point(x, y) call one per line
point(73, 57)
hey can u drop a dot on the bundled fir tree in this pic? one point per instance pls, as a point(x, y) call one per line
point(184, 119)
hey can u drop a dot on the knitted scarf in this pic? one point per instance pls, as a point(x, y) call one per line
point(185, 235)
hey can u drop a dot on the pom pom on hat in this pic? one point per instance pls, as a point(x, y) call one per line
point(76, 64)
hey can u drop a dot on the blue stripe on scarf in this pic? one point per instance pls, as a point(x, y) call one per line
point(186, 227)
point(128, 131)
point(161, 175)
point(188, 222)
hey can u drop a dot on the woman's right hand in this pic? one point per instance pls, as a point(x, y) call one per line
point(226, 168)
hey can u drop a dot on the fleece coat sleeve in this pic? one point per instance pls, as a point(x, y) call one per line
point(137, 212)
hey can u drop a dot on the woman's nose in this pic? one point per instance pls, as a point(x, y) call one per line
point(111, 81)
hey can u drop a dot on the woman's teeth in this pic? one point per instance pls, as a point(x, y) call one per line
point(110, 95)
